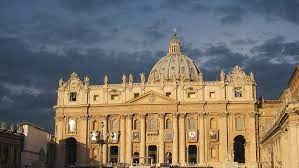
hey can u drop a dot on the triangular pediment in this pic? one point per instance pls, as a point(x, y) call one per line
point(152, 97)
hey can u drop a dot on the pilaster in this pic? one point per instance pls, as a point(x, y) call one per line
point(202, 138)
point(161, 138)
point(142, 138)
point(175, 145)
point(182, 139)
point(129, 139)
point(105, 129)
point(122, 138)
point(223, 134)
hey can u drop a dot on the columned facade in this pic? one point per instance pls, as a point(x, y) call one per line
point(172, 117)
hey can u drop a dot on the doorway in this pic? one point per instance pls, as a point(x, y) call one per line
point(239, 149)
point(114, 154)
point(192, 154)
point(152, 153)
point(71, 151)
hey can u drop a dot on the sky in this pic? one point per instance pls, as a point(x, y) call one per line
point(42, 41)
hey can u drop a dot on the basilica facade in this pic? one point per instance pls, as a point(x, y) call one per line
point(173, 115)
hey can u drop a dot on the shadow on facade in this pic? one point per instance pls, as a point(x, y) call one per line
point(71, 153)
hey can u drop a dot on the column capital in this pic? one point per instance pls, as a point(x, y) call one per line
point(175, 115)
point(85, 117)
point(224, 114)
point(203, 114)
point(60, 118)
point(123, 116)
point(182, 115)
point(104, 116)
point(253, 114)
point(143, 115)
point(161, 115)
point(129, 116)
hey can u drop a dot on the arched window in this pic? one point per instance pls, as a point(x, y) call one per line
point(192, 124)
point(213, 123)
point(239, 123)
point(168, 124)
point(136, 124)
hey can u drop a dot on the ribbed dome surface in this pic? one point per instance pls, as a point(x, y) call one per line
point(175, 66)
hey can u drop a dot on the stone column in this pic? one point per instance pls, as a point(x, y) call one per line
point(105, 134)
point(202, 138)
point(175, 145)
point(129, 139)
point(161, 138)
point(182, 139)
point(223, 153)
point(142, 138)
point(252, 138)
point(122, 138)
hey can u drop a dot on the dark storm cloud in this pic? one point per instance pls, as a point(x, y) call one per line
point(231, 14)
point(219, 57)
point(286, 9)
point(278, 51)
point(41, 41)
point(27, 90)
point(184, 6)
point(269, 9)
point(215, 58)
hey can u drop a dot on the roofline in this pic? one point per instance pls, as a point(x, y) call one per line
point(295, 70)
point(33, 125)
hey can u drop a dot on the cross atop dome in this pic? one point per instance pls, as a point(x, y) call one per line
point(174, 45)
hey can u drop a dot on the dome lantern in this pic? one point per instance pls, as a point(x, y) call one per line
point(174, 45)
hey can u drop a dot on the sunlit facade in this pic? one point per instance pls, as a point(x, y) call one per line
point(172, 116)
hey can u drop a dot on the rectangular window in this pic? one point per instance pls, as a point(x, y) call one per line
point(95, 97)
point(238, 91)
point(136, 95)
point(71, 125)
point(168, 94)
point(73, 96)
point(191, 95)
point(212, 95)
point(114, 97)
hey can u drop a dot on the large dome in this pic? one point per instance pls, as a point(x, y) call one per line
point(175, 66)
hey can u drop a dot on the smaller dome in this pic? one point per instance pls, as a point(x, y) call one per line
point(175, 66)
